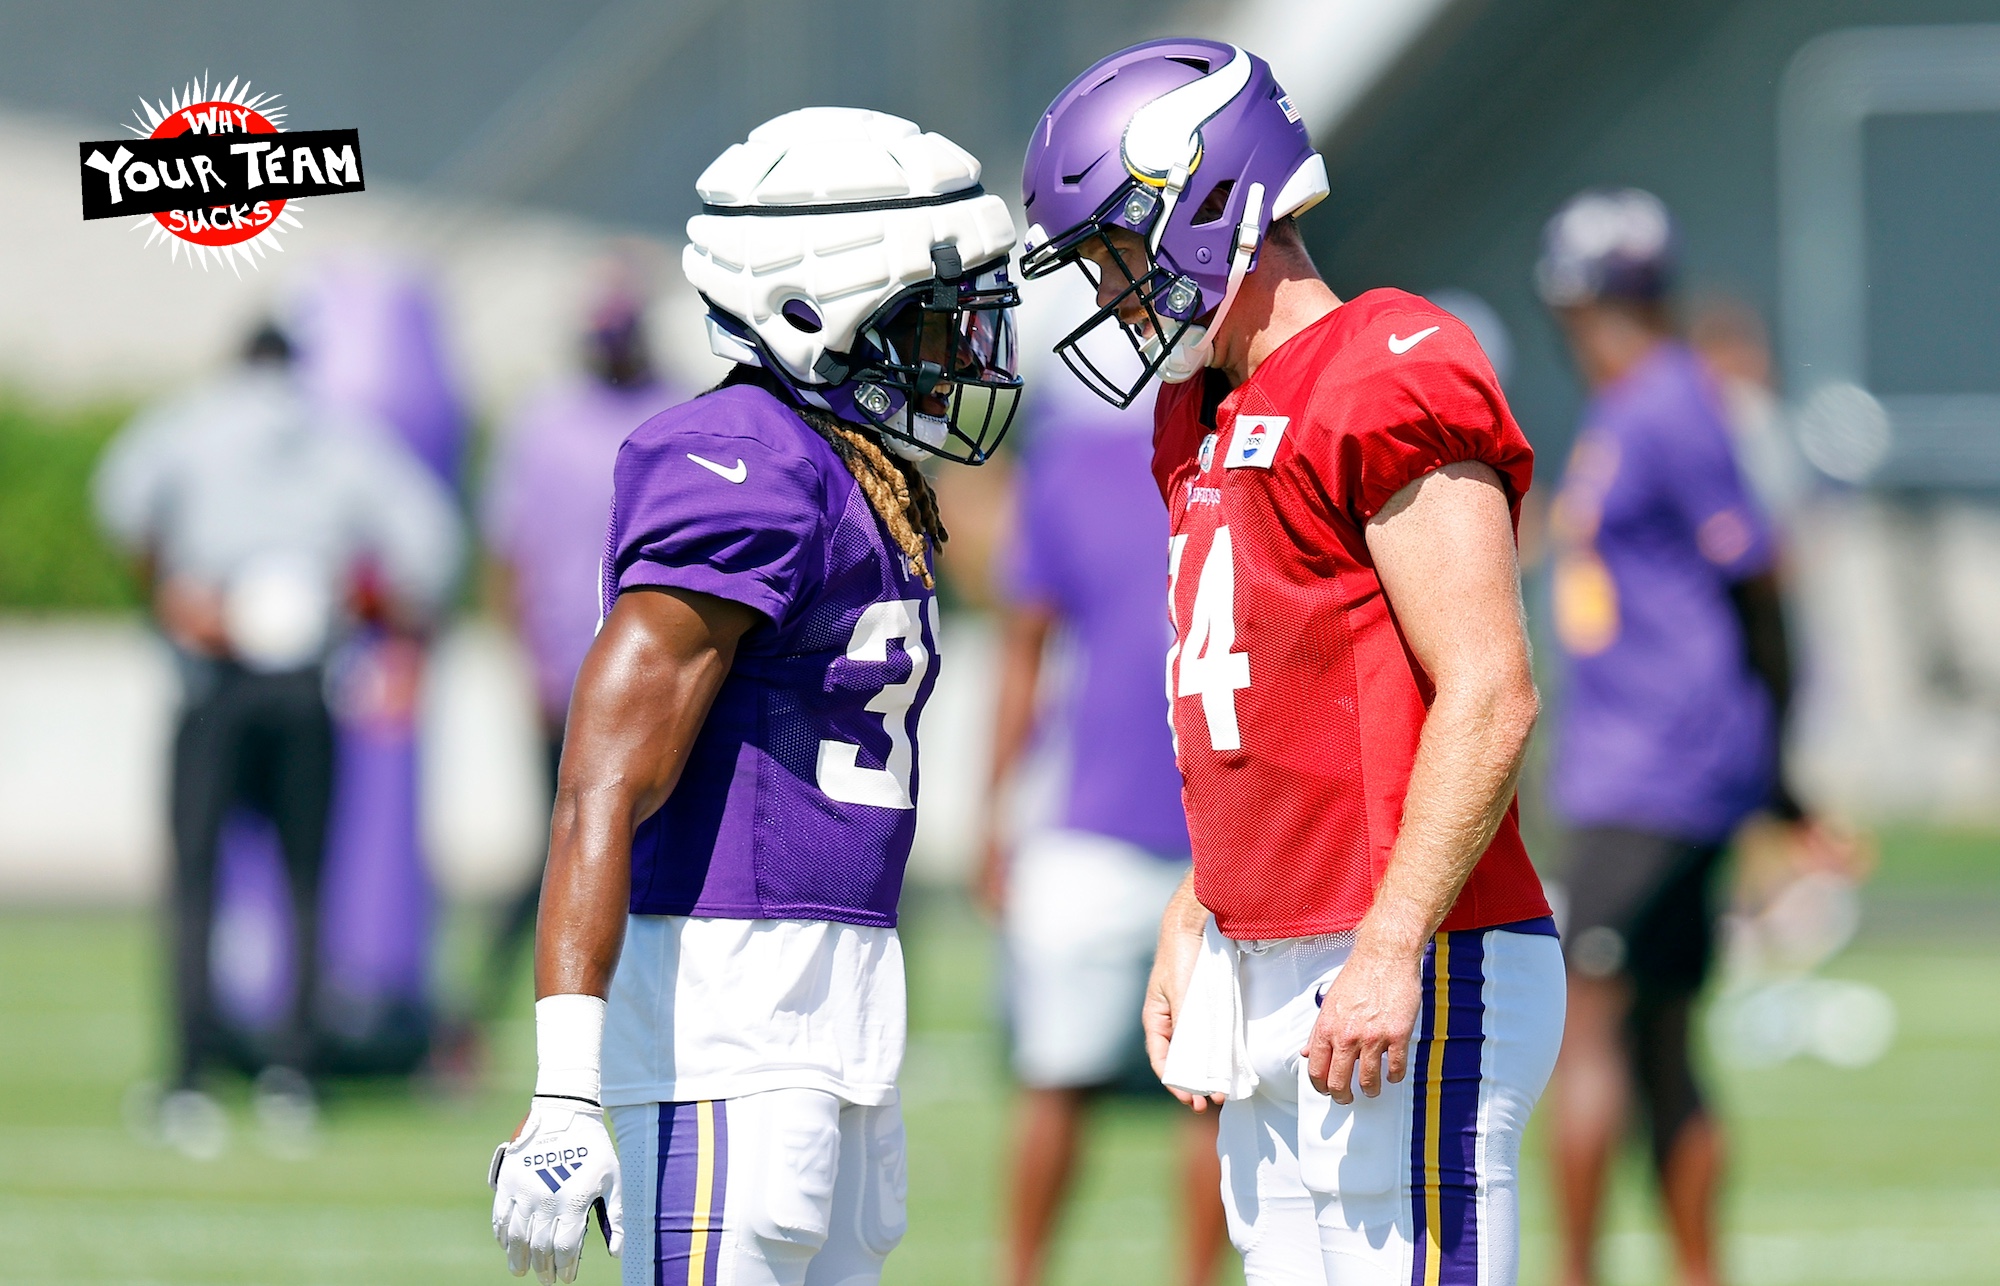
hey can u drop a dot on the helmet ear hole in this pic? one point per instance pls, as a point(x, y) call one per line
point(1215, 204)
point(801, 316)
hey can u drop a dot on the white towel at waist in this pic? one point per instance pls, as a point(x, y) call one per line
point(1210, 1052)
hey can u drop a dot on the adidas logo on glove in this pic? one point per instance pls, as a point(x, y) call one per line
point(555, 1168)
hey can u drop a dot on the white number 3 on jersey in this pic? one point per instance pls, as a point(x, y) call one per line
point(1204, 663)
point(840, 775)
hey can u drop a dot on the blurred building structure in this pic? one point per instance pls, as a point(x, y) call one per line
point(506, 141)
point(1837, 172)
point(1836, 165)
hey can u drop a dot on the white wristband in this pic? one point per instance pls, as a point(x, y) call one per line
point(569, 1043)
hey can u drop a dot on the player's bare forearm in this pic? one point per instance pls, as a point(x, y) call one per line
point(644, 690)
point(1181, 929)
point(1467, 764)
point(1444, 550)
point(1024, 632)
point(1185, 915)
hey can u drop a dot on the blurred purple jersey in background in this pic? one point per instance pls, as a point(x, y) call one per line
point(545, 511)
point(1663, 724)
point(1090, 543)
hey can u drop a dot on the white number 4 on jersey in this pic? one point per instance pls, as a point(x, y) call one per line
point(1204, 663)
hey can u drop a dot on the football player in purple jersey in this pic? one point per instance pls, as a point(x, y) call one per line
point(1678, 682)
point(717, 962)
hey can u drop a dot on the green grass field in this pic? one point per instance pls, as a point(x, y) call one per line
point(1883, 1175)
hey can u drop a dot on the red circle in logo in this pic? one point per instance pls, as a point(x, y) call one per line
point(220, 225)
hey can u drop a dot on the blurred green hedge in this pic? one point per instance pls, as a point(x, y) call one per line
point(52, 555)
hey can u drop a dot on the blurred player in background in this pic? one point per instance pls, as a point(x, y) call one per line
point(1793, 905)
point(1350, 686)
point(739, 777)
point(545, 510)
point(1730, 338)
point(1679, 676)
point(1080, 892)
point(257, 515)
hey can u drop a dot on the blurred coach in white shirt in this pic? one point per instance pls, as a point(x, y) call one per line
point(263, 525)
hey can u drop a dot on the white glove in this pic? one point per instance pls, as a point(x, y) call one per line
point(561, 1165)
point(545, 1184)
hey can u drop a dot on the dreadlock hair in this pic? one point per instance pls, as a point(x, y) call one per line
point(896, 489)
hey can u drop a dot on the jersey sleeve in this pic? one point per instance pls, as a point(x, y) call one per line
point(1697, 476)
point(700, 501)
point(135, 476)
point(1435, 403)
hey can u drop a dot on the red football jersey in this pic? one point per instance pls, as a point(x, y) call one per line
point(1296, 704)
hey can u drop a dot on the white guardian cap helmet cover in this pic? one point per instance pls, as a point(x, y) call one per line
point(857, 259)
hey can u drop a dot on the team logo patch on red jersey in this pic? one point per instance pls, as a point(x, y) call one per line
point(1207, 457)
point(1255, 445)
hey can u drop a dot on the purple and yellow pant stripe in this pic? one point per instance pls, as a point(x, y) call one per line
point(693, 1182)
point(1445, 1097)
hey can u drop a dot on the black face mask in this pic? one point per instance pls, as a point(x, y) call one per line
point(934, 367)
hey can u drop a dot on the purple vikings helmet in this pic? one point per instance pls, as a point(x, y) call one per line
point(1608, 243)
point(1190, 144)
point(857, 259)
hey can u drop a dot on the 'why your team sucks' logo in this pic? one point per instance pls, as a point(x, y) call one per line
point(212, 171)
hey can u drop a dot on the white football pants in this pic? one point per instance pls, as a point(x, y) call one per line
point(1418, 1186)
point(790, 1187)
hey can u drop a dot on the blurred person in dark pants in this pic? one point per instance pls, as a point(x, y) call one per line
point(1677, 683)
point(255, 516)
point(547, 507)
point(1081, 883)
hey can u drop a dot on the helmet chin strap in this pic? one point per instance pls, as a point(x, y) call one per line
point(1194, 345)
point(1170, 196)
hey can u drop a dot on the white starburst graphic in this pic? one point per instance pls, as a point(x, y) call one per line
point(202, 105)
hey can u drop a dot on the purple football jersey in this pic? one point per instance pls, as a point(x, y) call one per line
point(1663, 726)
point(1091, 543)
point(798, 800)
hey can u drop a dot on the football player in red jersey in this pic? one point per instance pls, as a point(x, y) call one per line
point(1350, 687)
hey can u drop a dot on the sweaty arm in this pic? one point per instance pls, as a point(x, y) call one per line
point(1444, 551)
point(641, 696)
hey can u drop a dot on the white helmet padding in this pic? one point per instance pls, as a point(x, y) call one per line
point(820, 218)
